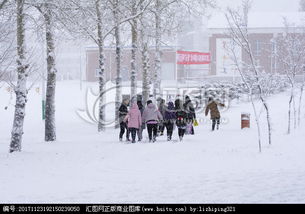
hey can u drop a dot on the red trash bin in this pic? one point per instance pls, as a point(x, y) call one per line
point(245, 120)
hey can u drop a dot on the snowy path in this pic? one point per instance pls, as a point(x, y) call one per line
point(84, 166)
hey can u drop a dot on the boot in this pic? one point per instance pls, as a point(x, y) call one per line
point(213, 127)
point(154, 139)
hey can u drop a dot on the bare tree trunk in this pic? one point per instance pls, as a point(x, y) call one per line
point(301, 99)
point(289, 111)
point(118, 81)
point(268, 119)
point(145, 59)
point(20, 90)
point(300, 104)
point(260, 95)
point(101, 119)
point(157, 77)
point(145, 83)
point(134, 38)
point(257, 124)
point(50, 127)
point(294, 113)
point(256, 72)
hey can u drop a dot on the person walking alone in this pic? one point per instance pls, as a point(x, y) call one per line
point(212, 107)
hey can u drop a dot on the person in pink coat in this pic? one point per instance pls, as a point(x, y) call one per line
point(134, 120)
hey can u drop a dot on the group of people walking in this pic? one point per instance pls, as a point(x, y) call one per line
point(157, 118)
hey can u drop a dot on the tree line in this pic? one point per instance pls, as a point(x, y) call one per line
point(101, 21)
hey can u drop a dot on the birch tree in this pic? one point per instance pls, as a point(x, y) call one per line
point(53, 14)
point(50, 128)
point(101, 65)
point(118, 52)
point(20, 89)
point(158, 53)
point(86, 19)
point(47, 9)
point(134, 46)
point(144, 41)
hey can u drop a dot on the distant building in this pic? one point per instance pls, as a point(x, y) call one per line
point(193, 38)
point(201, 36)
point(168, 72)
point(264, 29)
point(176, 65)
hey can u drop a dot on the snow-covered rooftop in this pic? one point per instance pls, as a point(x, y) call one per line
point(262, 19)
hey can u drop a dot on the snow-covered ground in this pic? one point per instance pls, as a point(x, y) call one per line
point(86, 166)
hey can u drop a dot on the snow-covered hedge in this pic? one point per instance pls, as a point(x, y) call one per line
point(272, 84)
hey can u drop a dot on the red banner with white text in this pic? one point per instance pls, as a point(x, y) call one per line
point(192, 58)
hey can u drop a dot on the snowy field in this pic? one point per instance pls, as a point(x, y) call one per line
point(210, 167)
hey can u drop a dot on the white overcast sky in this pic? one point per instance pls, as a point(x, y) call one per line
point(266, 5)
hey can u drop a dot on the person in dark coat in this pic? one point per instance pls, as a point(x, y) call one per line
point(140, 130)
point(190, 110)
point(169, 119)
point(212, 107)
point(123, 111)
point(181, 117)
point(178, 102)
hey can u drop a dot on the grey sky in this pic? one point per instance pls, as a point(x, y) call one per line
point(266, 5)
